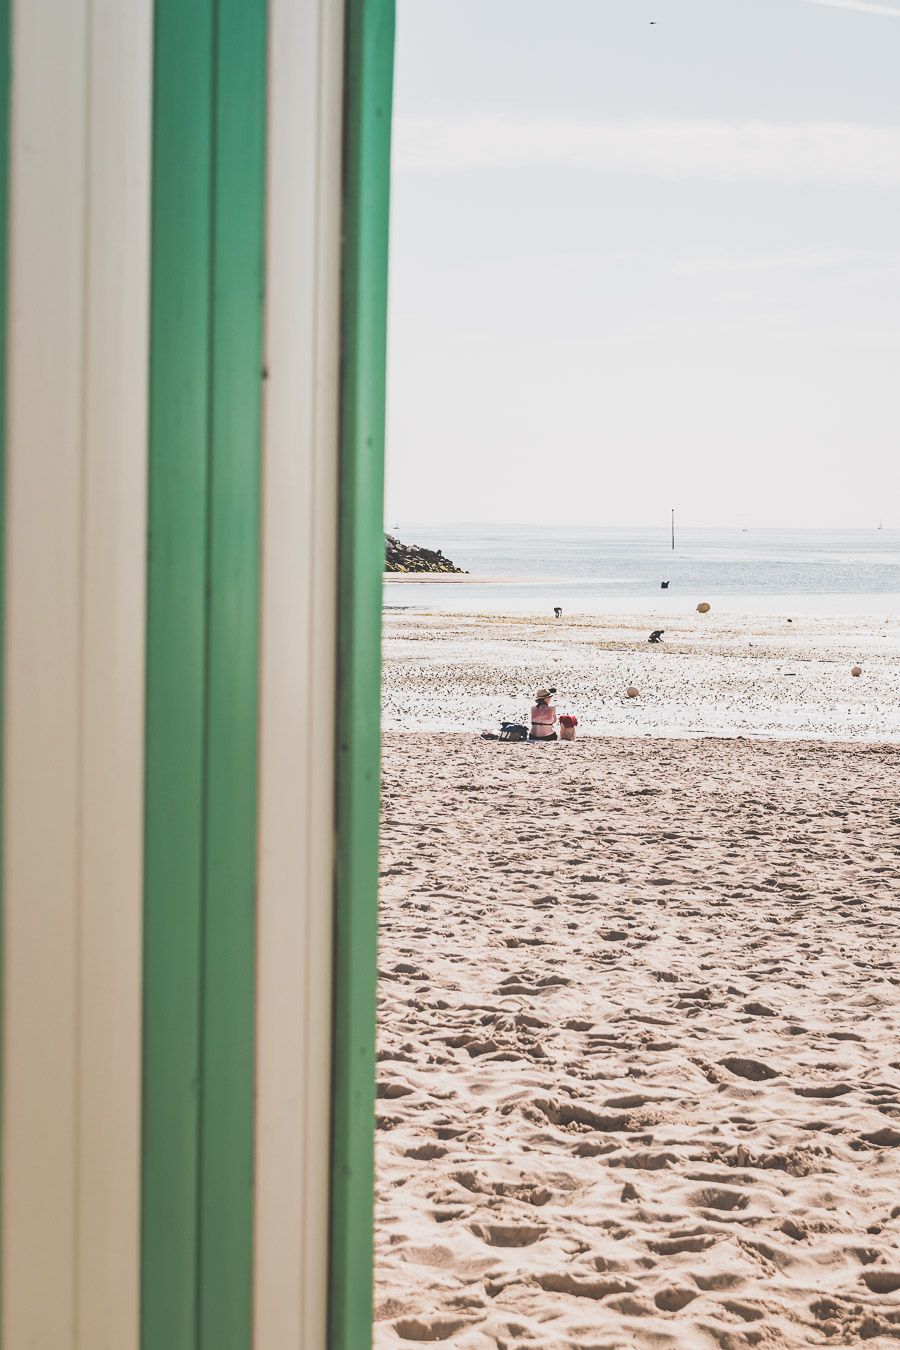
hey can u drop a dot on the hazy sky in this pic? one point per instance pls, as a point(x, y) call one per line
point(637, 265)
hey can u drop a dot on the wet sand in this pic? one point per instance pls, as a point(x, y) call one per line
point(717, 675)
point(639, 1049)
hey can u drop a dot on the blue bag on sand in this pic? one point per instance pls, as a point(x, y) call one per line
point(513, 731)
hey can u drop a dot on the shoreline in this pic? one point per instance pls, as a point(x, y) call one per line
point(519, 602)
point(442, 578)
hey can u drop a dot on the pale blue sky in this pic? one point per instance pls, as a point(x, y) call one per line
point(636, 266)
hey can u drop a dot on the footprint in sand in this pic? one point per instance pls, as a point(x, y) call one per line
point(428, 1329)
point(745, 1311)
point(584, 1286)
point(674, 1298)
point(826, 1092)
point(391, 1091)
point(720, 1198)
point(886, 1138)
point(689, 1242)
point(507, 1234)
point(752, 1069)
point(567, 1114)
point(425, 1152)
point(881, 1281)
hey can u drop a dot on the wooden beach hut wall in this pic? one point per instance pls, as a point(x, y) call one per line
point(193, 294)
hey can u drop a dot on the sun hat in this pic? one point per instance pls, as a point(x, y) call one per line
point(543, 693)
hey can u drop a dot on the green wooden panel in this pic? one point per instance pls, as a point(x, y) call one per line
point(176, 670)
point(367, 139)
point(232, 665)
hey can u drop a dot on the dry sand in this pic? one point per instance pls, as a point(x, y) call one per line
point(639, 1070)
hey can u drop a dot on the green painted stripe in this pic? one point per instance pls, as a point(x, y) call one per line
point(232, 674)
point(176, 670)
point(202, 671)
point(5, 65)
point(367, 139)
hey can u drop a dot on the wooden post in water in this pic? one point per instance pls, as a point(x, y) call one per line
point(673, 529)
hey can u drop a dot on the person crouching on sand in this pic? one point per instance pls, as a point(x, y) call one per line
point(543, 717)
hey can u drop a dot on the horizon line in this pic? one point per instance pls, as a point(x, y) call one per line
point(632, 525)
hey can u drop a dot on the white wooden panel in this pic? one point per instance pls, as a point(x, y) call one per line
point(297, 665)
point(42, 708)
point(73, 702)
point(114, 549)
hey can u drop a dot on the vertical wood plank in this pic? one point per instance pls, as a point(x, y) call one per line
point(4, 236)
point(112, 673)
point(42, 694)
point(297, 669)
point(175, 739)
point(73, 762)
point(229, 921)
point(368, 86)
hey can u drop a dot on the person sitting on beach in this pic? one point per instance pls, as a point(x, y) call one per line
point(543, 717)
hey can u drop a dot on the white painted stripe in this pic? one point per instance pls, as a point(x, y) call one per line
point(73, 766)
point(112, 751)
point(297, 659)
point(41, 715)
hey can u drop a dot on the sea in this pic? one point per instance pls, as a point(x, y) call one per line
point(606, 570)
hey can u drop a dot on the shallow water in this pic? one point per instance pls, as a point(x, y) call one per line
point(521, 570)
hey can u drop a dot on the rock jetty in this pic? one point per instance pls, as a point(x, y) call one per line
point(412, 558)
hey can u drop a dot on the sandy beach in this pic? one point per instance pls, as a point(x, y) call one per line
point(639, 1046)
point(716, 675)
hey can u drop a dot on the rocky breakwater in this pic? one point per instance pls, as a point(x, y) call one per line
point(411, 558)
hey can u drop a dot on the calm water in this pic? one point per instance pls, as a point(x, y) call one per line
point(523, 569)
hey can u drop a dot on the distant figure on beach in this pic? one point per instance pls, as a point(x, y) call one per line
point(664, 585)
point(543, 717)
point(656, 635)
point(557, 611)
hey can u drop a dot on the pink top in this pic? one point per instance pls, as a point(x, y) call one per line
point(543, 720)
